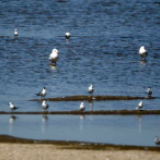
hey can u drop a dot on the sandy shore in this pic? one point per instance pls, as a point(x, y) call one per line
point(9, 151)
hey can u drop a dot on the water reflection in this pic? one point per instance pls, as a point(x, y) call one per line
point(44, 123)
point(139, 117)
point(44, 118)
point(82, 117)
point(67, 41)
point(83, 128)
point(53, 67)
point(143, 61)
point(90, 105)
point(12, 119)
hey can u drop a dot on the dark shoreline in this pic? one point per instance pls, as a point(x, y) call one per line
point(75, 145)
point(93, 98)
point(101, 112)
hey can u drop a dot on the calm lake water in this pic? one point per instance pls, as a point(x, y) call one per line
point(137, 130)
point(103, 51)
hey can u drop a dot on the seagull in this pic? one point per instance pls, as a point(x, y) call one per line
point(149, 91)
point(42, 93)
point(90, 89)
point(53, 57)
point(156, 140)
point(44, 105)
point(143, 52)
point(67, 35)
point(140, 105)
point(15, 32)
point(12, 106)
point(82, 107)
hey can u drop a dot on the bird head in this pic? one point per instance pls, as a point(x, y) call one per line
point(55, 50)
point(67, 34)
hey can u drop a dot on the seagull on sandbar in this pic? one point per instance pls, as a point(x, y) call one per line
point(16, 32)
point(12, 106)
point(140, 105)
point(53, 57)
point(143, 52)
point(156, 140)
point(44, 105)
point(90, 89)
point(67, 35)
point(149, 92)
point(42, 93)
point(82, 107)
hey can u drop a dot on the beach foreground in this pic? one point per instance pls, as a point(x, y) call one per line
point(47, 151)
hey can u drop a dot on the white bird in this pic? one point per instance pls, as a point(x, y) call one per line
point(143, 52)
point(140, 105)
point(12, 106)
point(16, 32)
point(44, 105)
point(82, 107)
point(90, 89)
point(156, 140)
point(42, 93)
point(149, 92)
point(67, 35)
point(53, 57)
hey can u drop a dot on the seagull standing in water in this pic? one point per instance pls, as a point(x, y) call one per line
point(44, 105)
point(143, 52)
point(156, 140)
point(82, 107)
point(53, 57)
point(90, 89)
point(42, 93)
point(67, 35)
point(12, 106)
point(149, 92)
point(15, 32)
point(140, 105)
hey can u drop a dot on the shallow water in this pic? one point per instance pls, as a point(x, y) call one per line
point(129, 130)
point(103, 50)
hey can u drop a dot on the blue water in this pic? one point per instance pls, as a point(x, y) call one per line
point(103, 51)
point(129, 130)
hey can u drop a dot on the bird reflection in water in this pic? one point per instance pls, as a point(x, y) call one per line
point(90, 105)
point(53, 67)
point(12, 119)
point(44, 118)
point(82, 117)
point(139, 117)
point(44, 123)
point(143, 62)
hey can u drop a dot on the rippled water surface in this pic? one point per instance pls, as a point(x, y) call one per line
point(102, 50)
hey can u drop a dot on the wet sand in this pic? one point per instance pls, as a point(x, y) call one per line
point(50, 151)
point(13, 148)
